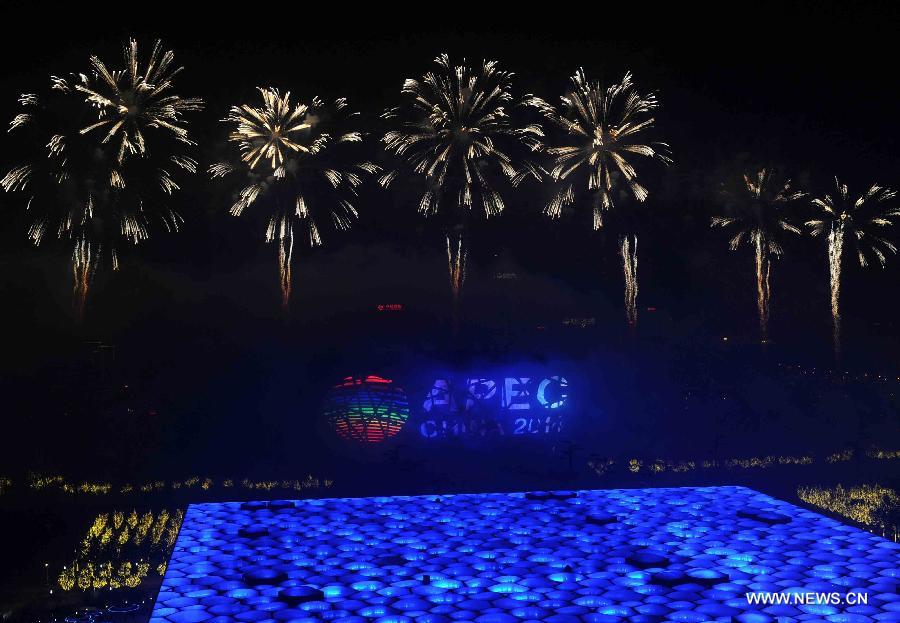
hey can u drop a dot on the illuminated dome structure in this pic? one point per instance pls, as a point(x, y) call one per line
point(369, 409)
point(638, 555)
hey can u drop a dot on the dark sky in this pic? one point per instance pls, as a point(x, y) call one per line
point(811, 87)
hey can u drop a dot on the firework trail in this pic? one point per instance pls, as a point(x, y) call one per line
point(600, 130)
point(291, 158)
point(859, 222)
point(84, 265)
point(285, 258)
point(454, 132)
point(763, 285)
point(628, 250)
point(835, 254)
point(88, 172)
point(456, 262)
point(756, 216)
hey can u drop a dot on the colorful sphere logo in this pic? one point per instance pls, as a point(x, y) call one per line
point(368, 409)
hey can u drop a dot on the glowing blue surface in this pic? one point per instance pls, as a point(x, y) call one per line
point(642, 555)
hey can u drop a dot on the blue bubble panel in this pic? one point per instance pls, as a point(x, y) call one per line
point(641, 555)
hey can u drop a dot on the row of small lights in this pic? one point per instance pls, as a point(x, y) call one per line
point(657, 466)
point(103, 488)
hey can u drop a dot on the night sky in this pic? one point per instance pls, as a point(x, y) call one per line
point(185, 364)
point(811, 89)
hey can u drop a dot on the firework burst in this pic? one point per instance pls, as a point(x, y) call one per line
point(134, 99)
point(859, 223)
point(601, 130)
point(87, 171)
point(757, 217)
point(454, 132)
point(291, 160)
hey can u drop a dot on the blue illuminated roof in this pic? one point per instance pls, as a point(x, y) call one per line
point(639, 555)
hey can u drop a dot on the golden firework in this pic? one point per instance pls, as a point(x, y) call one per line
point(291, 157)
point(859, 222)
point(455, 134)
point(134, 99)
point(601, 130)
point(89, 174)
point(756, 216)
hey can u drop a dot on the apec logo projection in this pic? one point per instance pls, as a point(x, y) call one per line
point(512, 405)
